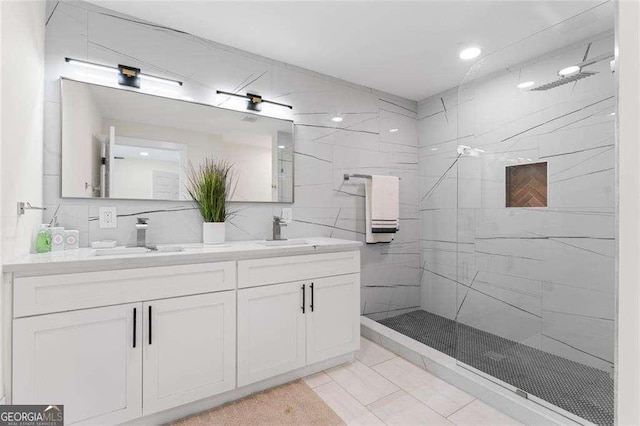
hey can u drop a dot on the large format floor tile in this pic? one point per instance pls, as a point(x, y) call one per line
point(402, 409)
point(480, 414)
point(350, 410)
point(317, 379)
point(362, 382)
point(441, 396)
point(371, 354)
point(396, 392)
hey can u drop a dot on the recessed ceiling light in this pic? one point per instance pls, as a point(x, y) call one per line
point(281, 146)
point(144, 153)
point(434, 149)
point(612, 114)
point(525, 84)
point(393, 130)
point(337, 119)
point(470, 53)
point(568, 70)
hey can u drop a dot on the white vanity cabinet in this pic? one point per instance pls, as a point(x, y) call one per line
point(146, 340)
point(188, 349)
point(111, 364)
point(282, 327)
point(333, 328)
point(86, 360)
point(271, 331)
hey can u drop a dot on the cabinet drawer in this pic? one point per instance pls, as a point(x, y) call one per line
point(55, 293)
point(258, 272)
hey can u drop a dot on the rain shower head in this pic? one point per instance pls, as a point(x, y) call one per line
point(575, 76)
point(564, 80)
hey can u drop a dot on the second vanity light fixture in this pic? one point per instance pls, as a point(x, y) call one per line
point(127, 76)
point(254, 102)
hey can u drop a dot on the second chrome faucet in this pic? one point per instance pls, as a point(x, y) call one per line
point(278, 223)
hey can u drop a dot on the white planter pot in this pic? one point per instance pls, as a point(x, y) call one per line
point(214, 232)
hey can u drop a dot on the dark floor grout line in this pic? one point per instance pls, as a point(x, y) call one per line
point(465, 405)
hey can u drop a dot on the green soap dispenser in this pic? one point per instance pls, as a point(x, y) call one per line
point(43, 241)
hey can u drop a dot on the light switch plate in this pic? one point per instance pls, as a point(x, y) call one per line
point(287, 214)
point(108, 217)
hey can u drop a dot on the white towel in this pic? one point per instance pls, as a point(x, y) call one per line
point(382, 208)
point(385, 200)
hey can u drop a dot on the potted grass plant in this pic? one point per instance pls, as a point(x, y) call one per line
point(211, 185)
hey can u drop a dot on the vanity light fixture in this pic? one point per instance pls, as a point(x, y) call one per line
point(565, 72)
point(525, 84)
point(469, 53)
point(91, 65)
point(393, 130)
point(254, 101)
point(160, 80)
point(337, 119)
point(127, 76)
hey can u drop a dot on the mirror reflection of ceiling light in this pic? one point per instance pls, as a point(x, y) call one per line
point(393, 130)
point(470, 53)
point(337, 119)
point(526, 84)
point(564, 72)
point(281, 146)
point(144, 153)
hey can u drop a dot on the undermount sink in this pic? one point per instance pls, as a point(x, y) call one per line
point(120, 251)
point(272, 243)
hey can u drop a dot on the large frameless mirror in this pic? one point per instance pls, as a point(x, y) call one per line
point(122, 144)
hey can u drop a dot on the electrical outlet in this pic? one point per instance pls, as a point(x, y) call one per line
point(287, 214)
point(108, 217)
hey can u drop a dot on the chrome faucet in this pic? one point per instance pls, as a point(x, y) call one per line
point(141, 229)
point(278, 223)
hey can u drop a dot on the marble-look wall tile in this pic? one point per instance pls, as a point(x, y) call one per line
point(540, 276)
point(324, 205)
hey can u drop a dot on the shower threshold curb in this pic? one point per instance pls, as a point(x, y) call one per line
point(473, 382)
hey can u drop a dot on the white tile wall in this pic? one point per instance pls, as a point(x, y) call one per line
point(543, 276)
point(324, 204)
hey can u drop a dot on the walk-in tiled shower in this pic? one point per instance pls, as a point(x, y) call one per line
point(517, 197)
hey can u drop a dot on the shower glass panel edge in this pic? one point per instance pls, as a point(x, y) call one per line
point(534, 165)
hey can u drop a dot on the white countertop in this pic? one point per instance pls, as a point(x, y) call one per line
point(83, 259)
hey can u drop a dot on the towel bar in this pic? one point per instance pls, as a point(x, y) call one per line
point(348, 176)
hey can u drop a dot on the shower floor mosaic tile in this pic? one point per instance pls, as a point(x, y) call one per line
point(577, 388)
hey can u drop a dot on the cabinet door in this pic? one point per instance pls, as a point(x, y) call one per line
point(333, 317)
point(85, 360)
point(189, 349)
point(271, 331)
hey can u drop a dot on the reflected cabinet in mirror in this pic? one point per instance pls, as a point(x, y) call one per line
point(123, 144)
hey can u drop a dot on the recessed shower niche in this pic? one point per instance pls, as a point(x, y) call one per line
point(526, 185)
